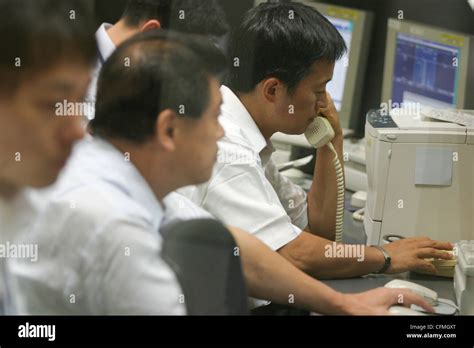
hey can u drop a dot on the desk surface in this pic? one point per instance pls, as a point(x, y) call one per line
point(354, 233)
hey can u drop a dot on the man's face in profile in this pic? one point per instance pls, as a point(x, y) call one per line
point(197, 145)
point(296, 110)
point(35, 142)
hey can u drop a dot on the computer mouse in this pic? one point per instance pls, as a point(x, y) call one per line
point(400, 310)
point(429, 295)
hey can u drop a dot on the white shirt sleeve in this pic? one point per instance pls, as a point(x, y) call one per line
point(241, 196)
point(292, 197)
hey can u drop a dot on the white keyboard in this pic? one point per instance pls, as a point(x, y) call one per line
point(462, 117)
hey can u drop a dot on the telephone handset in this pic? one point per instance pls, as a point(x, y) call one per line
point(320, 133)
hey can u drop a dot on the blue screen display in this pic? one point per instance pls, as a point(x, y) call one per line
point(425, 71)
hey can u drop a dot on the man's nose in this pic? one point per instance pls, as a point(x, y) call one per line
point(323, 101)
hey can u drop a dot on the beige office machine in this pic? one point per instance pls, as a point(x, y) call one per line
point(420, 178)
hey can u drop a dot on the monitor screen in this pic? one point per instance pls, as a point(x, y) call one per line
point(425, 72)
point(336, 86)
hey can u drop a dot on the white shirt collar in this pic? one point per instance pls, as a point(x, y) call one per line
point(104, 42)
point(233, 109)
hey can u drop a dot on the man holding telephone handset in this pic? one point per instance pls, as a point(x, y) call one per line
point(282, 56)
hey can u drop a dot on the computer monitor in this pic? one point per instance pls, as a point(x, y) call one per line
point(346, 87)
point(427, 66)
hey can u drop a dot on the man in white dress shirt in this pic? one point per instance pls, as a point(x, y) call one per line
point(282, 57)
point(38, 68)
point(156, 130)
point(187, 16)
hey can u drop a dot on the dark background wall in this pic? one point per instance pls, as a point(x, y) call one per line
point(450, 14)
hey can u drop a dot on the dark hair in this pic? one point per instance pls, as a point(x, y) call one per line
point(166, 70)
point(280, 40)
point(36, 34)
point(204, 17)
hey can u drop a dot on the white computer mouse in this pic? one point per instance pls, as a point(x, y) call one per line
point(429, 295)
point(400, 310)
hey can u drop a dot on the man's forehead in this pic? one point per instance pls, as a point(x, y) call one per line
point(322, 71)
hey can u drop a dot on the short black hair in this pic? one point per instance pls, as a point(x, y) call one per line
point(166, 70)
point(36, 34)
point(204, 17)
point(280, 40)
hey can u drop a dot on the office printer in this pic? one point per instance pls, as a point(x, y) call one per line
point(420, 177)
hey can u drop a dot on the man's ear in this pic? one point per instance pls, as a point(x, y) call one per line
point(165, 129)
point(272, 88)
point(150, 25)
